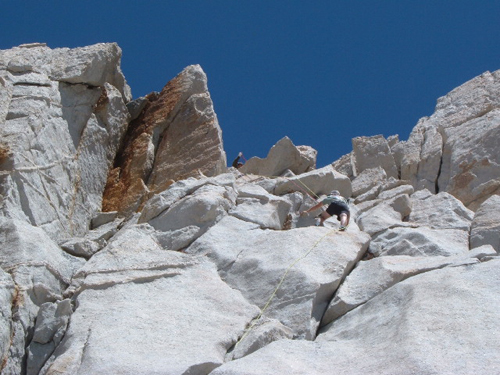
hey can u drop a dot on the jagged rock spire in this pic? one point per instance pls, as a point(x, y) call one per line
point(217, 272)
point(176, 136)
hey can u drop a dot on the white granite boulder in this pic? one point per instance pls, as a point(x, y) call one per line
point(419, 158)
point(430, 225)
point(179, 190)
point(385, 215)
point(485, 227)
point(91, 65)
point(186, 210)
point(470, 166)
point(93, 241)
point(344, 165)
point(373, 152)
point(260, 333)
point(256, 205)
point(312, 261)
point(51, 324)
point(142, 310)
point(65, 116)
point(26, 246)
point(192, 216)
point(367, 180)
point(315, 183)
point(372, 277)
point(440, 211)
point(388, 192)
point(283, 156)
point(41, 272)
point(7, 295)
point(420, 241)
point(438, 322)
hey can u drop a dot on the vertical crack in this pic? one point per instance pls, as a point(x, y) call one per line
point(436, 183)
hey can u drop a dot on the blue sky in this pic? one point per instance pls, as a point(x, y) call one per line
point(320, 72)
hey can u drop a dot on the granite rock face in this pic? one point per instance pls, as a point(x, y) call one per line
point(485, 227)
point(372, 278)
point(452, 151)
point(62, 118)
point(373, 152)
point(175, 136)
point(127, 246)
point(394, 325)
point(123, 325)
point(284, 156)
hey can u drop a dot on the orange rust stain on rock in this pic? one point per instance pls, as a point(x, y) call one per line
point(102, 101)
point(122, 183)
point(485, 162)
point(4, 152)
point(462, 180)
point(112, 191)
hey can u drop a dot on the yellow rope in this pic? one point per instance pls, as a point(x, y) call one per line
point(255, 320)
point(313, 193)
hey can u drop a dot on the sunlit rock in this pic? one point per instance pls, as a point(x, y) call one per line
point(485, 227)
point(282, 156)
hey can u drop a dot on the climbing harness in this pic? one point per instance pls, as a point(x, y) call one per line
point(315, 197)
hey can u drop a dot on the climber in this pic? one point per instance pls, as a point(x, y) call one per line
point(337, 206)
point(237, 163)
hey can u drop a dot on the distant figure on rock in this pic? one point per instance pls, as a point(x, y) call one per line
point(237, 163)
point(337, 206)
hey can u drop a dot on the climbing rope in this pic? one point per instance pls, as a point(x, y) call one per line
point(307, 190)
point(273, 294)
point(314, 196)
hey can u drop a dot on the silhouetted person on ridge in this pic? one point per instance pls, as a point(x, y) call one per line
point(237, 163)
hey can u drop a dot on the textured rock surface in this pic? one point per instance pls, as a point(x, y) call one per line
point(262, 332)
point(110, 332)
point(176, 136)
point(373, 277)
point(50, 328)
point(315, 183)
point(421, 241)
point(385, 215)
point(440, 211)
point(7, 294)
point(256, 205)
point(283, 156)
point(63, 118)
point(218, 272)
point(470, 166)
point(406, 340)
point(254, 263)
point(40, 270)
point(367, 180)
point(373, 152)
point(485, 227)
